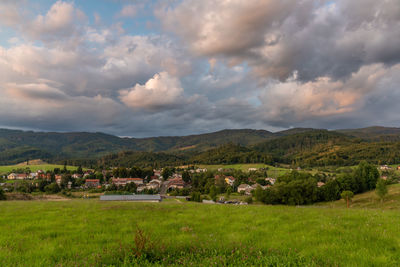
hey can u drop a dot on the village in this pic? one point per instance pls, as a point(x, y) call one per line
point(222, 185)
point(178, 183)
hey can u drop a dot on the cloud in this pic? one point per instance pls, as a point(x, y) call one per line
point(276, 38)
point(128, 11)
point(161, 91)
point(294, 102)
point(230, 64)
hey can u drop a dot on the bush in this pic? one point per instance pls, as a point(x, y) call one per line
point(196, 196)
point(249, 200)
point(2, 195)
point(52, 188)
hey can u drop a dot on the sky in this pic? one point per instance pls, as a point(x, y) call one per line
point(179, 67)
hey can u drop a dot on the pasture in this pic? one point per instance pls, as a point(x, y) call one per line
point(34, 168)
point(94, 233)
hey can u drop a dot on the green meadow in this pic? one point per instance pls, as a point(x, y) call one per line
point(273, 171)
point(94, 233)
point(34, 168)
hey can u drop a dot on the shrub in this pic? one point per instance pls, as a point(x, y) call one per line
point(52, 188)
point(249, 200)
point(2, 195)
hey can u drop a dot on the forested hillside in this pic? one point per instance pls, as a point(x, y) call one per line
point(299, 147)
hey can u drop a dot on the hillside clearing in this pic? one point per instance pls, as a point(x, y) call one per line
point(34, 168)
point(371, 201)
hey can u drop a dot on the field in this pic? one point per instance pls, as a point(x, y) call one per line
point(94, 233)
point(371, 201)
point(34, 168)
point(272, 171)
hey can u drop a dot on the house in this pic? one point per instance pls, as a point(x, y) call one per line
point(319, 184)
point(157, 173)
point(137, 198)
point(12, 176)
point(385, 168)
point(252, 169)
point(76, 176)
point(58, 179)
point(398, 168)
point(176, 183)
point(254, 186)
point(140, 188)
point(176, 175)
point(92, 183)
point(384, 178)
point(198, 170)
point(125, 181)
point(271, 180)
point(154, 184)
point(22, 176)
point(33, 175)
point(230, 180)
point(243, 188)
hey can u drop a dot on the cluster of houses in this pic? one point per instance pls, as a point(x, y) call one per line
point(388, 168)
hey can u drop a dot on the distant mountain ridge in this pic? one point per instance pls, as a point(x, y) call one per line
point(18, 146)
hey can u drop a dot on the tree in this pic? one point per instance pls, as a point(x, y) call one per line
point(166, 173)
point(2, 195)
point(186, 177)
point(213, 193)
point(228, 192)
point(79, 170)
point(259, 193)
point(381, 189)
point(130, 187)
point(52, 188)
point(347, 195)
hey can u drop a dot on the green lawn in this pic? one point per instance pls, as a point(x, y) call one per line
point(94, 233)
point(44, 167)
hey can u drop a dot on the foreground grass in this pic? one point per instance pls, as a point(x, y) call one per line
point(94, 233)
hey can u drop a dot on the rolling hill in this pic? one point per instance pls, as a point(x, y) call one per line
point(302, 146)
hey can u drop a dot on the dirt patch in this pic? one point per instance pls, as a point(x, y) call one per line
point(25, 196)
point(18, 196)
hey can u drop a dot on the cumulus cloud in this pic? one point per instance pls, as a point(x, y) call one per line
point(314, 38)
point(293, 102)
point(158, 92)
point(230, 64)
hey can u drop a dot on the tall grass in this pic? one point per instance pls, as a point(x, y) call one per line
point(94, 233)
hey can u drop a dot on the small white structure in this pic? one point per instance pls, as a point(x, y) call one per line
point(243, 188)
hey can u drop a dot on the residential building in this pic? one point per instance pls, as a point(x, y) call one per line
point(176, 183)
point(92, 183)
point(243, 188)
point(12, 176)
point(125, 181)
point(271, 180)
point(230, 180)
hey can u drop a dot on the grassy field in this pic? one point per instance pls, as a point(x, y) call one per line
point(94, 233)
point(44, 167)
point(272, 171)
point(371, 201)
